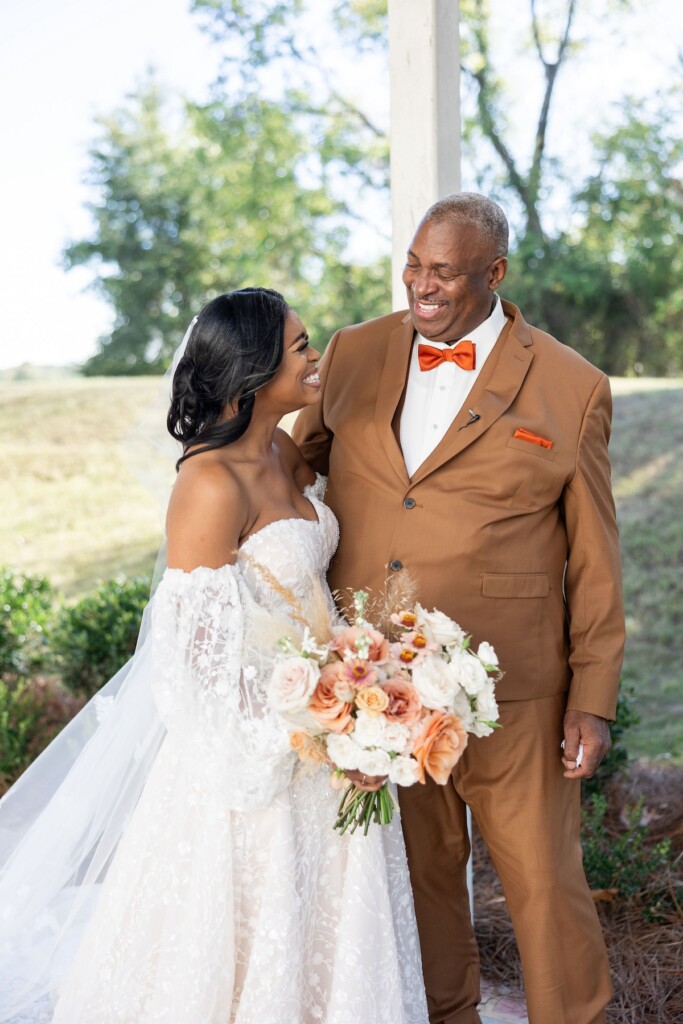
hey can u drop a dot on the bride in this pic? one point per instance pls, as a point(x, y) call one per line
point(168, 859)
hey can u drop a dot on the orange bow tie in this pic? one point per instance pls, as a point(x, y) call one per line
point(464, 354)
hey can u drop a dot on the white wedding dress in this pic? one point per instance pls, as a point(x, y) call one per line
point(229, 898)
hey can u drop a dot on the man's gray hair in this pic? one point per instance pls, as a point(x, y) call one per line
point(482, 213)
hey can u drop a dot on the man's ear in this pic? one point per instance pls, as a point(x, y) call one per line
point(497, 272)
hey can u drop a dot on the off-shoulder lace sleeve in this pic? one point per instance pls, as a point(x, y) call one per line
point(206, 695)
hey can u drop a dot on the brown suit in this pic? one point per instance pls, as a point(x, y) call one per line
point(519, 544)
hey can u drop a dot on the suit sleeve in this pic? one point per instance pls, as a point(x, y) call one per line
point(310, 432)
point(593, 590)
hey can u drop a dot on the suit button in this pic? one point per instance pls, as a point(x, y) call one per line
point(409, 503)
point(396, 565)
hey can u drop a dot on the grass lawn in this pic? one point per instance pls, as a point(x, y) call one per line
point(73, 511)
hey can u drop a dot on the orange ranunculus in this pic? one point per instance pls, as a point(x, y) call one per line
point(309, 749)
point(440, 746)
point(404, 702)
point(347, 638)
point(372, 699)
point(326, 707)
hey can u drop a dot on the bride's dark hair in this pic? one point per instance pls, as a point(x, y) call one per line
point(235, 348)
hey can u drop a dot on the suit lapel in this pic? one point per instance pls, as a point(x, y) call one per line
point(391, 384)
point(494, 391)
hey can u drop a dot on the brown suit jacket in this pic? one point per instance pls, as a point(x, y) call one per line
point(515, 541)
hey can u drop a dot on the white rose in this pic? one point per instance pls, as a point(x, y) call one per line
point(469, 672)
point(404, 771)
point(486, 654)
point(343, 751)
point(460, 706)
point(434, 682)
point(487, 706)
point(292, 683)
point(374, 762)
point(395, 737)
point(369, 730)
point(439, 628)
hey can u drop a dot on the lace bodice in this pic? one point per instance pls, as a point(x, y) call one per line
point(294, 550)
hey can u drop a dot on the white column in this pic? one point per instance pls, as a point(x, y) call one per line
point(424, 69)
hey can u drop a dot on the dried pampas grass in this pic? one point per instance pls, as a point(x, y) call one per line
point(398, 593)
point(269, 628)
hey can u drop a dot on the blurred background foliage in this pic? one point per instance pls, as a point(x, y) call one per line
point(274, 178)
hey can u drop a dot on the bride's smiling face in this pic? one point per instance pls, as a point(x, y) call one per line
point(296, 382)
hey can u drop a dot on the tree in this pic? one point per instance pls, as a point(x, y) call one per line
point(214, 205)
point(634, 222)
point(269, 181)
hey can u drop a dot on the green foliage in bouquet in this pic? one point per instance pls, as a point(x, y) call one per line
point(94, 638)
point(626, 862)
point(26, 610)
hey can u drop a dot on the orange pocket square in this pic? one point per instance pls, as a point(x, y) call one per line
point(526, 435)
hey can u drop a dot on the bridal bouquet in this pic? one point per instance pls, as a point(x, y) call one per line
point(398, 703)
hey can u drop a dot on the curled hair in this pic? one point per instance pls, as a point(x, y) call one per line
point(479, 211)
point(235, 348)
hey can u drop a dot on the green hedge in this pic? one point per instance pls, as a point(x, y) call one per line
point(53, 657)
point(92, 639)
point(26, 603)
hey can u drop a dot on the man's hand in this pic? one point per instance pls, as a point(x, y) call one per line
point(593, 733)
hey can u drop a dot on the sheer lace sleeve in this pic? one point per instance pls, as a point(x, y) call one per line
point(197, 633)
point(206, 694)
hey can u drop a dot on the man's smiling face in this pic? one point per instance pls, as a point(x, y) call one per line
point(450, 275)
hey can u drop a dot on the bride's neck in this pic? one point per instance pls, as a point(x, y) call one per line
point(256, 443)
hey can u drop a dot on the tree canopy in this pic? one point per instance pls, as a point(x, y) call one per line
point(275, 178)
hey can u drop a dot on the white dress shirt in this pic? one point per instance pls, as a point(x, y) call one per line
point(434, 397)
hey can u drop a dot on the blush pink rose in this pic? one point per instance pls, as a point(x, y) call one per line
point(347, 638)
point(439, 747)
point(404, 702)
point(292, 683)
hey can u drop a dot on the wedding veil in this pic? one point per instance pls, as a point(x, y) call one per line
point(61, 822)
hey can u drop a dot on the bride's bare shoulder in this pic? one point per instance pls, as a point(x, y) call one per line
point(206, 514)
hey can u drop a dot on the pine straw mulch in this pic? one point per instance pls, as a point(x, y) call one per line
point(646, 957)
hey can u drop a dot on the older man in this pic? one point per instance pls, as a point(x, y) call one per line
point(469, 448)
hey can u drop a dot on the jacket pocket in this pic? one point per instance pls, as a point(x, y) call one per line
point(520, 445)
point(515, 584)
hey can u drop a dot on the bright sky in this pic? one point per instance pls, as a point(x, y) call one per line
point(63, 61)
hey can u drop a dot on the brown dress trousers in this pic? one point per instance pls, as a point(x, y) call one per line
point(518, 543)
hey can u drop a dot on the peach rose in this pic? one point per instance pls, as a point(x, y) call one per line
point(309, 749)
point(404, 702)
point(326, 707)
point(440, 746)
point(348, 637)
point(372, 699)
point(336, 675)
